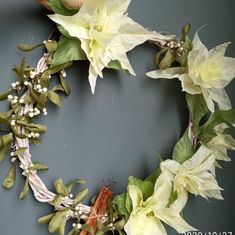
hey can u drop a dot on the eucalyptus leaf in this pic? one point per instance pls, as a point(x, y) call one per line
point(57, 201)
point(68, 50)
point(46, 219)
point(65, 85)
point(28, 47)
point(19, 151)
point(40, 166)
point(25, 191)
point(183, 150)
point(60, 187)
point(10, 179)
point(5, 94)
point(56, 221)
point(81, 196)
point(55, 98)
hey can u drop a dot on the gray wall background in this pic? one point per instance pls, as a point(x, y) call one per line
point(127, 123)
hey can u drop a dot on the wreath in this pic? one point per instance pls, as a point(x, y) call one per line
point(102, 33)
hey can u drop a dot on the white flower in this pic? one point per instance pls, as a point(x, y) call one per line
point(146, 216)
point(221, 143)
point(208, 72)
point(106, 34)
point(194, 175)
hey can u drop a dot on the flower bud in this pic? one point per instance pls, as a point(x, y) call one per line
point(45, 3)
point(74, 4)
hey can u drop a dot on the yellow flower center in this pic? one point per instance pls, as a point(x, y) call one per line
point(210, 71)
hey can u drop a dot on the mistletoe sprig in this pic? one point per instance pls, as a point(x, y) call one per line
point(102, 33)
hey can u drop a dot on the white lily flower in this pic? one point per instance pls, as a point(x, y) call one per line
point(146, 216)
point(194, 175)
point(106, 34)
point(208, 72)
point(221, 143)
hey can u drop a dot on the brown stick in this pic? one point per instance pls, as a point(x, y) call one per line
point(99, 209)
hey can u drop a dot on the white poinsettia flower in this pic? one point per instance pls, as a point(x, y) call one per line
point(106, 34)
point(221, 143)
point(207, 73)
point(146, 216)
point(194, 175)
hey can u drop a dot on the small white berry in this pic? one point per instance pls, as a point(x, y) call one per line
point(31, 115)
point(13, 122)
point(38, 86)
point(27, 171)
point(31, 165)
point(40, 90)
point(44, 89)
point(9, 97)
point(74, 225)
point(13, 85)
point(44, 110)
point(79, 226)
point(36, 135)
point(14, 101)
point(17, 83)
point(181, 48)
point(75, 213)
point(21, 101)
point(71, 195)
point(31, 110)
point(12, 154)
point(45, 113)
point(13, 159)
point(80, 212)
point(26, 83)
point(66, 197)
point(29, 136)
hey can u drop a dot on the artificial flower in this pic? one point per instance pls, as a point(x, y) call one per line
point(221, 143)
point(207, 73)
point(106, 34)
point(45, 3)
point(194, 175)
point(146, 216)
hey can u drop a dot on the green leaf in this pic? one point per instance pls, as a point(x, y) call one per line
point(40, 166)
point(60, 67)
point(185, 30)
point(45, 219)
point(33, 127)
point(68, 50)
point(197, 107)
point(55, 98)
point(28, 47)
point(56, 221)
point(221, 116)
point(65, 85)
point(4, 151)
point(146, 187)
point(183, 150)
point(153, 177)
point(59, 8)
point(5, 94)
point(10, 179)
point(88, 228)
point(25, 191)
point(115, 64)
point(81, 196)
point(60, 187)
point(72, 183)
point(120, 202)
point(57, 201)
point(119, 225)
point(51, 46)
point(167, 60)
point(19, 151)
point(62, 226)
point(6, 116)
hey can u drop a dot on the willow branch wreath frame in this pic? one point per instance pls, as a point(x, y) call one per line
point(162, 196)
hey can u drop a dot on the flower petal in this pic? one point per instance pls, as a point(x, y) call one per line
point(221, 98)
point(136, 196)
point(181, 201)
point(208, 100)
point(170, 73)
point(188, 85)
